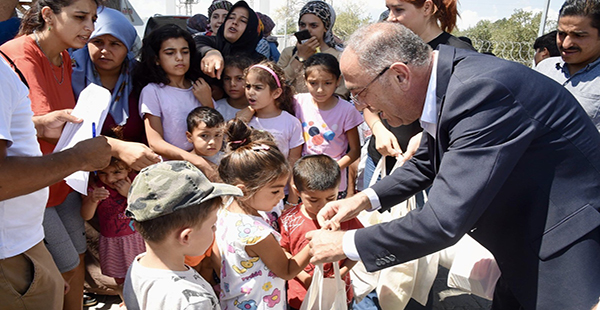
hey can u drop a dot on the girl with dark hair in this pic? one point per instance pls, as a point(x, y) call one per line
point(238, 35)
point(169, 78)
point(271, 99)
point(254, 267)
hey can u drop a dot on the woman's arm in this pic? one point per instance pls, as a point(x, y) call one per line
point(354, 152)
point(386, 143)
point(275, 258)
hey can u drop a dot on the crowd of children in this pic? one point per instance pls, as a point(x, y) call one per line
point(255, 139)
point(157, 225)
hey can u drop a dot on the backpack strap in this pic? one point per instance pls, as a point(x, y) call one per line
point(15, 68)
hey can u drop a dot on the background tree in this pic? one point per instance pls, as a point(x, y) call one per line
point(349, 18)
point(510, 38)
point(288, 15)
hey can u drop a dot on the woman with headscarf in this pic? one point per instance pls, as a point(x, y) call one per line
point(107, 60)
point(238, 35)
point(217, 12)
point(318, 18)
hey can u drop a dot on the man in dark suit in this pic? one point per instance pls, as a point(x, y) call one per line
point(512, 158)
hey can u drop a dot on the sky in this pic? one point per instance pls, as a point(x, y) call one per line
point(471, 11)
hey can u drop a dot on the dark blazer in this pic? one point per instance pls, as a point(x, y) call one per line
point(515, 164)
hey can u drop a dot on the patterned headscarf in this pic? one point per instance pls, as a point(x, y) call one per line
point(111, 22)
point(325, 13)
point(219, 4)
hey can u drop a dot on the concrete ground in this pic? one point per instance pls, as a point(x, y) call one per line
point(445, 298)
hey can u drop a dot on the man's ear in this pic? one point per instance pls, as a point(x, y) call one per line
point(402, 75)
point(545, 53)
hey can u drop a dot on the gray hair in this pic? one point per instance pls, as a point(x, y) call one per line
point(382, 44)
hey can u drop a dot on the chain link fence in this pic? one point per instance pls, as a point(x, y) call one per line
point(521, 52)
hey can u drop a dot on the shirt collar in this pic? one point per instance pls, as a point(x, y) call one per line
point(428, 118)
point(561, 65)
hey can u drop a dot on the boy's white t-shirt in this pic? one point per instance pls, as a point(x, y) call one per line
point(226, 109)
point(172, 105)
point(149, 288)
point(285, 128)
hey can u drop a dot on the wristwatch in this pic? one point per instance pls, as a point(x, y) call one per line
point(301, 60)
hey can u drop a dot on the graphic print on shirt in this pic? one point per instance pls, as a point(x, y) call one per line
point(318, 133)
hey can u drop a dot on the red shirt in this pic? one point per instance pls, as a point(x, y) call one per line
point(49, 90)
point(294, 224)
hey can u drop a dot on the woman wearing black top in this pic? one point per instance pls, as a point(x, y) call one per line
point(238, 35)
point(432, 20)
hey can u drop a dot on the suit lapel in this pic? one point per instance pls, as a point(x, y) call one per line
point(445, 67)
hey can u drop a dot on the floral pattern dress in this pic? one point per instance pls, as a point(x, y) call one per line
point(246, 282)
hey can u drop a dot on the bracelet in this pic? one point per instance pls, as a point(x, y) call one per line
point(301, 60)
point(375, 122)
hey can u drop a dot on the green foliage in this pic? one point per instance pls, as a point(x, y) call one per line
point(511, 38)
point(348, 19)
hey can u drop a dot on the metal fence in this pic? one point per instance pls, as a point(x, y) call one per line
point(521, 52)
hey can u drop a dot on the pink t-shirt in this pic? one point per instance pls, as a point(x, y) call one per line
point(294, 225)
point(172, 105)
point(324, 131)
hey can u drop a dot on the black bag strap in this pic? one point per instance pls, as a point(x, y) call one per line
point(15, 68)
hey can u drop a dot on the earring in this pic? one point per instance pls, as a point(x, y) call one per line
point(49, 28)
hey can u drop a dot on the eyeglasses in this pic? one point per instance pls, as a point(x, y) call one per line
point(354, 98)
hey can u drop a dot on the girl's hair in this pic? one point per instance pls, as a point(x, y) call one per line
point(148, 71)
point(285, 100)
point(241, 62)
point(33, 20)
point(326, 62)
point(445, 12)
point(252, 158)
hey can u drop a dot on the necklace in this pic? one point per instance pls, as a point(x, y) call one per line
point(62, 68)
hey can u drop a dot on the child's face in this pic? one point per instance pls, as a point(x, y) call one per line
point(207, 141)
point(268, 196)
point(321, 84)
point(259, 94)
point(203, 234)
point(112, 174)
point(314, 201)
point(174, 57)
point(233, 82)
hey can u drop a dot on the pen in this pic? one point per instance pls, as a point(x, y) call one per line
point(94, 136)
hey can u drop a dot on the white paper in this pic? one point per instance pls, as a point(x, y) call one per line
point(92, 106)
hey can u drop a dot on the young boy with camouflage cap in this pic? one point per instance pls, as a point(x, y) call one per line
point(174, 207)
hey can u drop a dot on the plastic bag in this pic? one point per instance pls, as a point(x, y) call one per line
point(325, 293)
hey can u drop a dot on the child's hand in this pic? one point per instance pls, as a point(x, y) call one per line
point(123, 186)
point(245, 114)
point(203, 92)
point(99, 193)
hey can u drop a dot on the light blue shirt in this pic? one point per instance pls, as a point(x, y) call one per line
point(584, 84)
point(428, 122)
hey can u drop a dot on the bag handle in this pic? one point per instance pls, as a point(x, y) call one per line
point(21, 76)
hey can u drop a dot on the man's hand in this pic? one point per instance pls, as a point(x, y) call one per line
point(136, 155)
point(92, 154)
point(50, 126)
point(325, 246)
point(335, 212)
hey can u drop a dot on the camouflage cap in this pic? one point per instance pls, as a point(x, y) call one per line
point(165, 187)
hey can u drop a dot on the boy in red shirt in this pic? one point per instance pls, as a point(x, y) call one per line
point(316, 181)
